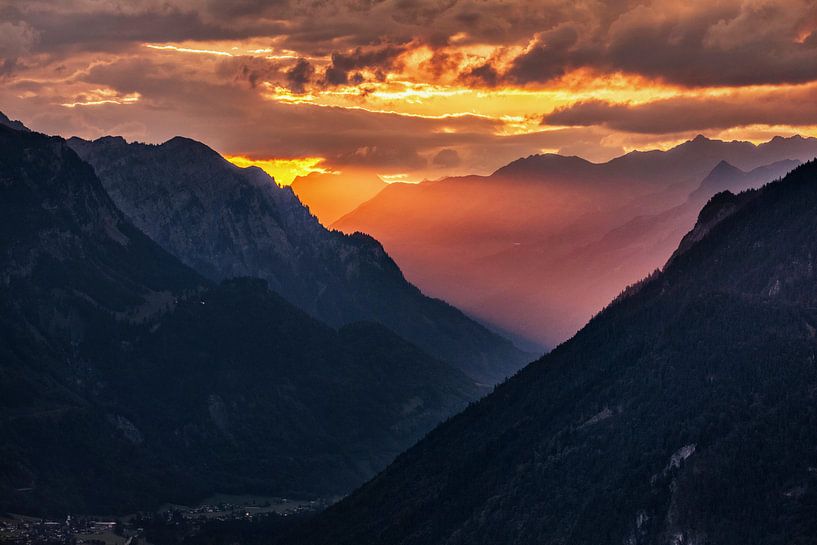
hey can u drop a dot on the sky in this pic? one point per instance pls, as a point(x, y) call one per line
point(411, 89)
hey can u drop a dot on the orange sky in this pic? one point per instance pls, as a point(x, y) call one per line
point(411, 90)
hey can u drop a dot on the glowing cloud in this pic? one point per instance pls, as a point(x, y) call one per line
point(99, 97)
point(189, 50)
point(493, 79)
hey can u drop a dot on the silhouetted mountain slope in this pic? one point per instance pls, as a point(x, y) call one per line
point(684, 413)
point(225, 221)
point(128, 380)
point(18, 125)
point(332, 195)
point(493, 244)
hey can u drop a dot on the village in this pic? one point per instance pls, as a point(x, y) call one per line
point(135, 529)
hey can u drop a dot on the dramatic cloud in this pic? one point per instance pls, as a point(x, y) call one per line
point(447, 158)
point(16, 39)
point(378, 60)
point(411, 89)
point(797, 106)
point(300, 75)
point(712, 43)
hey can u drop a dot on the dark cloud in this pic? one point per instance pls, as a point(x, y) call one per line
point(725, 42)
point(468, 18)
point(402, 156)
point(446, 158)
point(795, 107)
point(379, 59)
point(420, 12)
point(117, 31)
point(549, 57)
point(255, 9)
point(300, 75)
point(484, 75)
point(253, 70)
point(16, 40)
point(719, 43)
point(55, 53)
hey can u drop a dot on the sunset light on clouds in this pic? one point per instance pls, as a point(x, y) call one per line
point(408, 272)
point(388, 86)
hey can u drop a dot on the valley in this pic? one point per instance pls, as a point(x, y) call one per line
point(426, 272)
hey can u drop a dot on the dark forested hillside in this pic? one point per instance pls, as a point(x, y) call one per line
point(226, 221)
point(128, 380)
point(686, 412)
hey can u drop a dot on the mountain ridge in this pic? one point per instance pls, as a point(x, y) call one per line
point(129, 380)
point(681, 413)
point(491, 244)
point(226, 221)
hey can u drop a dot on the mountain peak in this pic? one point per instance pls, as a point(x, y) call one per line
point(725, 167)
point(545, 165)
point(184, 145)
point(17, 125)
point(181, 141)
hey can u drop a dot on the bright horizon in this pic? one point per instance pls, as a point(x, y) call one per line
point(412, 91)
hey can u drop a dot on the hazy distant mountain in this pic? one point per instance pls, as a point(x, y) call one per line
point(725, 177)
point(128, 380)
point(332, 195)
point(521, 238)
point(684, 413)
point(226, 221)
point(581, 280)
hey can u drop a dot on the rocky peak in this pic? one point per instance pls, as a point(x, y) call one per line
point(12, 124)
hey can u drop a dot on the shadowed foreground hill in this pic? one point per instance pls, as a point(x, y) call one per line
point(686, 412)
point(226, 221)
point(127, 380)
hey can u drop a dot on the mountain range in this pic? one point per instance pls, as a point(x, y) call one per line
point(127, 379)
point(225, 221)
point(682, 413)
point(172, 326)
point(558, 236)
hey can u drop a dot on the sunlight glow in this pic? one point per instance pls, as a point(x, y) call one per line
point(98, 97)
point(283, 170)
point(189, 50)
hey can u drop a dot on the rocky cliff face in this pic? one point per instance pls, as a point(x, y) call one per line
point(225, 221)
